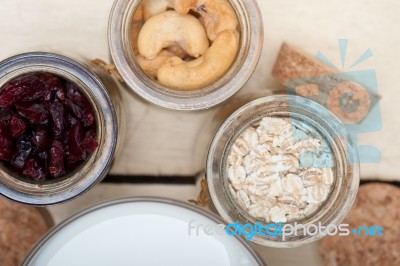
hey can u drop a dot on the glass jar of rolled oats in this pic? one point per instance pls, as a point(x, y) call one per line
point(189, 80)
point(285, 167)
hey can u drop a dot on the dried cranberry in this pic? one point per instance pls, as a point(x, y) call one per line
point(90, 142)
point(79, 105)
point(54, 85)
point(4, 129)
point(5, 114)
point(34, 89)
point(6, 148)
point(88, 118)
point(76, 151)
point(47, 126)
point(22, 151)
point(57, 114)
point(73, 93)
point(52, 82)
point(17, 126)
point(26, 89)
point(85, 115)
point(71, 120)
point(40, 138)
point(11, 93)
point(6, 143)
point(42, 158)
point(60, 94)
point(35, 112)
point(74, 108)
point(56, 167)
point(32, 170)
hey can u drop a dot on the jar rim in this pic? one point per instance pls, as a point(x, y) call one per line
point(347, 180)
point(97, 165)
point(230, 83)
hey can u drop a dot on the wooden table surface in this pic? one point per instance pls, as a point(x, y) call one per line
point(163, 142)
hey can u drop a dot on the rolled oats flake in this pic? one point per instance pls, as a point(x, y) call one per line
point(272, 173)
point(243, 199)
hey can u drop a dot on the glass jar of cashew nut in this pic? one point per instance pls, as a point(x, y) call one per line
point(283, 160)
point(185, 55)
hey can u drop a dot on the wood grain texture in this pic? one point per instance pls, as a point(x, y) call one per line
point(162, 142)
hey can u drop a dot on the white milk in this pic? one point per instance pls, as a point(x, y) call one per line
point(141, 233)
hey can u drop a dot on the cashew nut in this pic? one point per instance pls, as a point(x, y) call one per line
point(154, 7)
point(150, 67)
point(136, 26)
point(139, 13)
point(178, 51)
point(196, 74)
point(169, 28)
point(135, 29)
point(184, 6)
point(217, 15)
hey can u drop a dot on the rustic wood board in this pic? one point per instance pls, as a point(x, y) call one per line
point(162, 142)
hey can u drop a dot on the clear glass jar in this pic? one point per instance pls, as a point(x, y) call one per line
point(107, 109)
point(121, 48)
point(345, 163)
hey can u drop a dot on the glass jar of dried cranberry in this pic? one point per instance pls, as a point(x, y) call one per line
point(58, 127)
